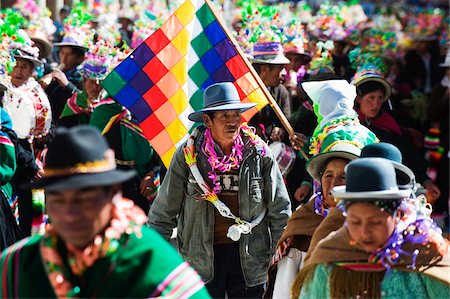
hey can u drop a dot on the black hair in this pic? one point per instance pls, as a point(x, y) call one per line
point(78, 51)
point(325, 76)
point(327, 161)
point(390, 205)
point(210, 114)
point(257, 66)
point(370, 86)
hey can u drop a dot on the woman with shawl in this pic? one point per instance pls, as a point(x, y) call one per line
point(388, 246)
point(337, 140)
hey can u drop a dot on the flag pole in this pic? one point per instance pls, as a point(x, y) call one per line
point(261, 84)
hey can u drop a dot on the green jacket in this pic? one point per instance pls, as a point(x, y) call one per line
point(261, 188)
point(145, 266)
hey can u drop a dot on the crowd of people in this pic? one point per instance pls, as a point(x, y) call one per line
point(354, 203)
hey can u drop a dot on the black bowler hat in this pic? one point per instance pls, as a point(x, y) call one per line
point(78, 158)
point(405, 176)
point(370, 179)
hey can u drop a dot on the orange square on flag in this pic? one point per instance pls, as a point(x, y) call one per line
point(247, 83)
point(168, 85)
point(163, 141)
point(166, 113)
point(171, 27)
point(169, 56)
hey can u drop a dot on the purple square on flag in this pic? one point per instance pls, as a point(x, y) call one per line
point(223, 75)
point(215, 33)
point(141, 110)
point(141, 82)
point(211, 61)
point(127, 69)
point(225, 50)
point(207, 83)
point(127, 96)
point(142, 55)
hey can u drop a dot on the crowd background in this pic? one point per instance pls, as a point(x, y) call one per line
point(315, 37)
point(391, 62)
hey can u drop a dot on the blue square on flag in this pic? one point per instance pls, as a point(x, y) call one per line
point(214, 33)
point(141, 82)
point(141, 110)
point(127, 69)
point(127, 96)
point(211, 61)
point(142, 55)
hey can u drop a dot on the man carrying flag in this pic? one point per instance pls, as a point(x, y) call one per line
point(225, 193)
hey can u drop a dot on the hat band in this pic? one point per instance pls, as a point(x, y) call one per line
point(222, 104)
point(87, 167)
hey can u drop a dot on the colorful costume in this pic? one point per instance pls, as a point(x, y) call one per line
point(132, 149)
point(10, 231)
point(125, 261)
point(76, 111)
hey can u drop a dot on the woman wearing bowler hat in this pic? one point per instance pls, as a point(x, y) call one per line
point(387, 246)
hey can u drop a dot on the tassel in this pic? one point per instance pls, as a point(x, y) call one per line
point(346, 283)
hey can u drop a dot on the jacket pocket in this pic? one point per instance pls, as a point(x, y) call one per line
point(256, 189)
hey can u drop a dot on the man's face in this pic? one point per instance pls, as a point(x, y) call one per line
point(224, 126)
point(78, 215)
point(69, 58)
point(272, 75)
point(21, 72)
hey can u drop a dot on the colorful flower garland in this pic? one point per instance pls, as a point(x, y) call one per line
point(415, 227)
point(126, 219)
point(224, 164)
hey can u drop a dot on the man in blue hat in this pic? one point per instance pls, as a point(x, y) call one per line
point(225, 194)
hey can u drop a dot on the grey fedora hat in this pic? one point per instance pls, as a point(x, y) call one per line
point(220, 96)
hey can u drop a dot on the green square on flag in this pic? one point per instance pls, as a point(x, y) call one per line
point(113, 83)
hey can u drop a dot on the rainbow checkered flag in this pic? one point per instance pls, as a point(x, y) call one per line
point(162, 81)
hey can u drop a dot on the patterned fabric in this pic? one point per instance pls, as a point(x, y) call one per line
point(169, 287)
point(163, 80)
point(139, 259)
point(396, 284)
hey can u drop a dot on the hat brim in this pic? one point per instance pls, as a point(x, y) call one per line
point(387, 86)
point(197, 116)
point(297, 52)
point(70, 45)
point(82, 180)
point(314, 164)
point(405, 176)
point(271, 59)
point(340, 192)
point(36, 62)
point(48, 48)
